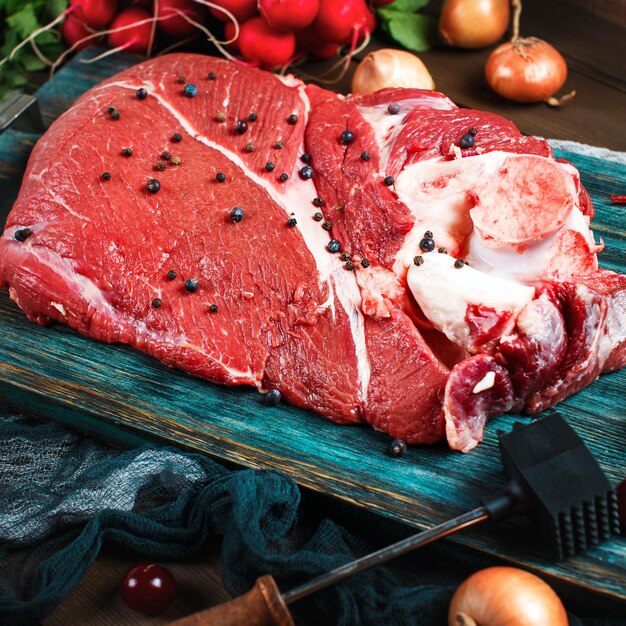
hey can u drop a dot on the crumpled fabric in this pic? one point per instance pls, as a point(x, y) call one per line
point(62, 496)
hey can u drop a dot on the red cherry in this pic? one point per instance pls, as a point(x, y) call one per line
point(148, 588)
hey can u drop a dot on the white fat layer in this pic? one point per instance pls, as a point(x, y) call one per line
point(90, 293)
point(385, 127)
point(295, 199)
point(487, 382)
point(59, 307)
point(443, 292)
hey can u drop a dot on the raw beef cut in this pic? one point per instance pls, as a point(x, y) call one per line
point(382, 275)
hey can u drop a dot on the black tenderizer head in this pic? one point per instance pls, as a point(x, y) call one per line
point(553, 477)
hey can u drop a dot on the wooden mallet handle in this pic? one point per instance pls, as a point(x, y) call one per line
point(261, 606)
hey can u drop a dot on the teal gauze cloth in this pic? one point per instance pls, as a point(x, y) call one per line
point(62, 496)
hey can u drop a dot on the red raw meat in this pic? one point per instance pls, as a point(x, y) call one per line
point(422, 349)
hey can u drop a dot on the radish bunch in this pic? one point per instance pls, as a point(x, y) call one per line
point(285, 29)
point(267, 33)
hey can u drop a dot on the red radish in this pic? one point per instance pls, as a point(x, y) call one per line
point(73, 31)
point(171, 23)
point(265, 46)
point(94, 13)
point(341, 21)
point(241, 9)
point(229, 34)
point(137, 29)
point(308, 40)
point(289, 15)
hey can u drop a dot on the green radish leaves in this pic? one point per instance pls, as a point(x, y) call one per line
point(21, 18)
point(412, 30)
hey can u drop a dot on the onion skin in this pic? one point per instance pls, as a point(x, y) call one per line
point(473, 23)
point(526, 70)
point(390, 68)
point(506, 596)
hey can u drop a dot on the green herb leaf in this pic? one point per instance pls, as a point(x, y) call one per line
point(412, 31)
point(32, 63)
point(24, 22)
point(404, 6)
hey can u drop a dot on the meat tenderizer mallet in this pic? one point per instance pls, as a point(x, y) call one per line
point(552, 477)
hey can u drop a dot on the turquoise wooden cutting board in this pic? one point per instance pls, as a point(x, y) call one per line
point(125, 397)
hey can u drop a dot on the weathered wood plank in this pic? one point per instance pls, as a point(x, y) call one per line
point(126, 397)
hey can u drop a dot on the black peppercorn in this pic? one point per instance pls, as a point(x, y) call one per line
point(181, 80)
point(272, 397)
point(318, 202)
point(283, 177)
point(141, 93)
point(365, 263)
point(127, 152)
point(347, 137)
point(305, 157)
point(105, 176)
point(211, 76)
point(252, 117)
point(472, 131)
point(241, 126)
point(156, 303)
point(220, 177)
point(428, 234)
point(327, 225)
point(292, 119)
point(306, 173)
point(418, 260)
point(213, 308)
point(160, 166)
point(349, 266)
point(365, 155)
point(269, 166)
point(171, 275)
point(236, 214)
point(427, 244)
point(153, 185)
point(397, 448)
point(389, 180)
point(318, 217)
point(177, 137)
point(459, 263)
point(334, 245)
point(292, 221)
point(345, 256)
point(466, 141)
point(278, 145)
point(191, 285)
point(115, 115)
point(165, 155)
point(393, 108)
point(22, 234)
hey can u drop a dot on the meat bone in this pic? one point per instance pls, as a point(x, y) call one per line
point(552, 477)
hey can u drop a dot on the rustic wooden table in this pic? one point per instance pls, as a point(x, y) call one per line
point(596, 54)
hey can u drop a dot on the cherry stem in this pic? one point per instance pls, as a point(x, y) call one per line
point(463, 619)
point(517, 12)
